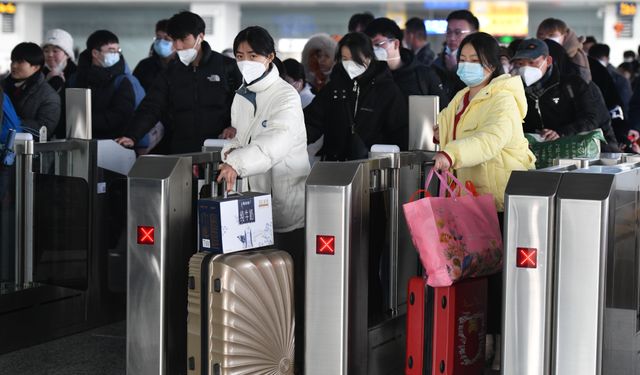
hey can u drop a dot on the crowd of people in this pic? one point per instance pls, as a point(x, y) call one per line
point(345, 95)
point(185, 84)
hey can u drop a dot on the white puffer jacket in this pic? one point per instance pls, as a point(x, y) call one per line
point(270, 146)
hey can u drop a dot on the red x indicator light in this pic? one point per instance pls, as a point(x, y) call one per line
point(527, 257)
point(326, 245)
point(146, 235)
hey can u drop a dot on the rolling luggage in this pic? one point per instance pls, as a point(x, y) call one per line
point(419, 327)
point(240, 313)
point(446, 328)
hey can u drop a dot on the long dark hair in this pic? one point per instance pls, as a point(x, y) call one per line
point(360, 46)
point(488, 51)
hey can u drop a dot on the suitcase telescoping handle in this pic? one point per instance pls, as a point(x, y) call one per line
point(237, 190)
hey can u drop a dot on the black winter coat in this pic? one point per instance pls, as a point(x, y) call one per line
point(415, 78)
point(193, 102)
point(111, 107)
point(567, 105)
point(60, 85)
point(450, 81)
point(148, 70)
point(36, 103)
point(379, 107)
point(425, 55)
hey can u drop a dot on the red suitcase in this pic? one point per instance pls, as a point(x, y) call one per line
point(446, 328)
point(419, 327)
point(460, 325)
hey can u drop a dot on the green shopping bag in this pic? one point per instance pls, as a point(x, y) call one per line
point(582, 145)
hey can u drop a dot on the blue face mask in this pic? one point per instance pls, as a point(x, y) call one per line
point(111, 59)
point(472, 74)
point(163, 48)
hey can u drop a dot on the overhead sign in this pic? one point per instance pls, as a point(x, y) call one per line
point(7, 8)
point(502, 17)
point(627, 9)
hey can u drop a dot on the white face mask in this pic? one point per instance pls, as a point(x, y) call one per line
point(530, 74)
point(507, 68)
point(59, 68)
point(603, 62)
point(381, 53)
point(557, 39)
point(353, 68)
point(448, 51)
point(251, 70)
point(188, 55)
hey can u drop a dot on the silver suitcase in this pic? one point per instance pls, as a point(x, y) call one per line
point(241, 313)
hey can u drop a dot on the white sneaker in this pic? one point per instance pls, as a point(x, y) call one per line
point(496, 357)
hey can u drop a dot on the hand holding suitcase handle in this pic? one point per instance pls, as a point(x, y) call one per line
point(228, 187)
point(227, 174)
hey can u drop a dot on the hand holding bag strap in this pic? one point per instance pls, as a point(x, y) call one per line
point(443, 183)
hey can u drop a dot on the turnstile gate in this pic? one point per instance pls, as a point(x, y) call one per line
point(65, 272)
point(359, 259)
point(571, 270)
point(161, 238)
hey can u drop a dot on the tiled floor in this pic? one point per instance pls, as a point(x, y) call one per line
point(97, 352)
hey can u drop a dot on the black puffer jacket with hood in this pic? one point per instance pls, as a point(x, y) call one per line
point(111, 107)
point(354, 114)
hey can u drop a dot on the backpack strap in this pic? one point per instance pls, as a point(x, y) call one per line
point(118, 81)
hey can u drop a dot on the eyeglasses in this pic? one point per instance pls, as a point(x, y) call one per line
point(457, 32)
point(382, 43)
point(112, 50)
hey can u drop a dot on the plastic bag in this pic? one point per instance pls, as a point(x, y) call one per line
point(583, 145)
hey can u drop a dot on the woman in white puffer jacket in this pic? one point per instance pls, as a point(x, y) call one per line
point(270, 149)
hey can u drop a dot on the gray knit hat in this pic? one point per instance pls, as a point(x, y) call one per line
point(60, 39)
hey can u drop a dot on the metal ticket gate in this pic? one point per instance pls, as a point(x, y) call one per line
point(62, 214)
point(69, 214)
point(161, 238)
point(359, 259)
point(571, 290)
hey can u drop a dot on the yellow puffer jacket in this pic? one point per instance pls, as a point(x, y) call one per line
point(489, 140)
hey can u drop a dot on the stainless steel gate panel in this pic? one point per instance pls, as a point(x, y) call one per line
point(159, 234)
point(343, 336)
point(423, 113)
point(528, 271)
point(337, 205)
point(583, 229)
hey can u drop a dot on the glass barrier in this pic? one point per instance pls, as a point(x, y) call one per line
point(61, 230)
point(7, 228)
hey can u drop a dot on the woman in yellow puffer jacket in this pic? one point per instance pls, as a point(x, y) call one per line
point(481, 137)
point(480, 132)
